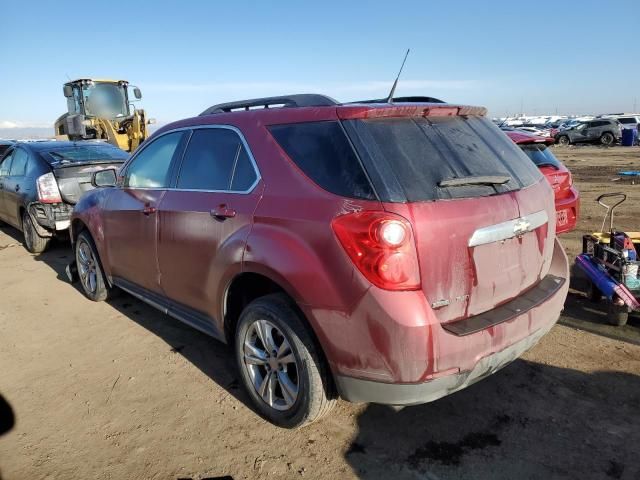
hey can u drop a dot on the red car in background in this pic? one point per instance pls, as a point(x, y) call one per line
point(567, 196)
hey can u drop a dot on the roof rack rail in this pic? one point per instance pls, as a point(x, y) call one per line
point(404, 100)
point(300, 100)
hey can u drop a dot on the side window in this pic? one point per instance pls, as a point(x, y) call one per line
point(323, 152)
point(244, 175)
point(19, 164)
point(216, 159)
point(150, 168)
point(5, 166)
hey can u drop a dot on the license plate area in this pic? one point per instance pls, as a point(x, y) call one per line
point(562, 217)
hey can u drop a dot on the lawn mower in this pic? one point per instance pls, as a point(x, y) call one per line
point(611, 261)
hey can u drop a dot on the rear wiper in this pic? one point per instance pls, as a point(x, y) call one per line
point(475, 180)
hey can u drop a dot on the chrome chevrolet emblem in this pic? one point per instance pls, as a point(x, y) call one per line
point(516, 227)
point(521, 227)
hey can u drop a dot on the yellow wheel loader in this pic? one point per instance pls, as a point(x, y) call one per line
point(103, 109)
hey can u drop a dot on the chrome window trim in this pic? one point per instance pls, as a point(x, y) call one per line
point(509, 229)
point(201, 127)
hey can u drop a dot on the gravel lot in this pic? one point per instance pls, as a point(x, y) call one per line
point(119, 391)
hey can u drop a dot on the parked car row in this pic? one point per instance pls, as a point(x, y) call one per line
point(381, 252)
point(604, 130)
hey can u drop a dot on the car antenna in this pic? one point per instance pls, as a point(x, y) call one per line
point(395, 83)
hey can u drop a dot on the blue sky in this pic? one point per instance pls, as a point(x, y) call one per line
point(571, 56)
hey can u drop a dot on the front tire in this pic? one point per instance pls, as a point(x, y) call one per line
point(33, 242)
point(607, 139)
point(563, 140)
point(280, 365)
point(89, 267)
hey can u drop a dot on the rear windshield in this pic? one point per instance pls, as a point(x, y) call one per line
point(422, 155)
point(540, 155)
point(408, 159)
point(86, 154)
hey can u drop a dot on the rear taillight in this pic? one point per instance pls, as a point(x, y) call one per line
point(48, 191)
point(381, 246)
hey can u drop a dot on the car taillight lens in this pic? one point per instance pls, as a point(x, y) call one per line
point(48, 191)
point(381, 246)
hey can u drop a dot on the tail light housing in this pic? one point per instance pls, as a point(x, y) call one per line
point(382, 247)
point(48, 191)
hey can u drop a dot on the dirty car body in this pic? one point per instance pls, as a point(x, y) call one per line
point(415, 241)
point(44, 180)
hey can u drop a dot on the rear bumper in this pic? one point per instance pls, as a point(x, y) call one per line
point(51, 216)
point(358, 390)
point(392, 349)
point(571, 204)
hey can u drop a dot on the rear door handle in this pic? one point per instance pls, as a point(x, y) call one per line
point(148, 210)
point(223, 212)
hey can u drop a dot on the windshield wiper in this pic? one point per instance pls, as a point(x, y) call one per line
point(475, 180)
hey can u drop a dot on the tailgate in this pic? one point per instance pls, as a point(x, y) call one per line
point(476, 254)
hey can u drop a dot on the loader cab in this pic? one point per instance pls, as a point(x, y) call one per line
point(111, 99)
point(101, 109)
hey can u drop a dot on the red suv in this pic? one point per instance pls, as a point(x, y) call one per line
point(383, 252)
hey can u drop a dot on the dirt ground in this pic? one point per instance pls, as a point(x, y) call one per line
point(119, 391)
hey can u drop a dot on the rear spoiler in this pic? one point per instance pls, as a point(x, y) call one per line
point(348, 112)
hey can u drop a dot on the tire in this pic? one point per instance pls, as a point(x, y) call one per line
point(298, 390)
point(92, 280)
point(617, 315)
point(607, 139)
point(564, 140)
point(593, 293)
point(33, 242)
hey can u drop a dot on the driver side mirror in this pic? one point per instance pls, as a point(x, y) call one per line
point(68, 91)
point(104, 178)
point(137, 93)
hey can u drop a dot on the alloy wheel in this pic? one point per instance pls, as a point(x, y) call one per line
point(87, 267)
point(271, 365)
